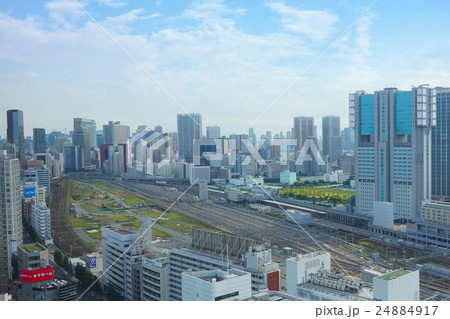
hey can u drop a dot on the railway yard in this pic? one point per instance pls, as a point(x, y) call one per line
point(350, 251)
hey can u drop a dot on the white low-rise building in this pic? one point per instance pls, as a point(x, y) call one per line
point(300, 267)
point(215, 285)
point(398, 285)
point(287, 177)
point(337, 176)
point(383, 214)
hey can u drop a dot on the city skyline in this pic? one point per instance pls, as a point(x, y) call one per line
point(237, 59)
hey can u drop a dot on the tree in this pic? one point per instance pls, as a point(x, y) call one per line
point(111, 294)
point(66, 264)
point(58, 258)
point(86, 277)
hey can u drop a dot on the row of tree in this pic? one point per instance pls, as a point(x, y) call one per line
point(87, 278)
point(30, 230)
point(61, 260)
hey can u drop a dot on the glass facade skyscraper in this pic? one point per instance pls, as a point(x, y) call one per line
point(39, 141)
point(331, 127)
point(303, 129)
point(189, 128)
point(393, 148)
point(15, 134)
point(440, 140)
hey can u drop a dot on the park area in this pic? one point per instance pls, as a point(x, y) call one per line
point(320, 195)
point(95, 204)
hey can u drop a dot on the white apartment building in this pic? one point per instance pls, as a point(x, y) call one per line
point(41, 220)
point(115, 242)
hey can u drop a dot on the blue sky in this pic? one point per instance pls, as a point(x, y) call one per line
point(228, 60)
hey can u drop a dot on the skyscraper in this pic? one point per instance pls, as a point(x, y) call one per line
point(158, 128)
point(440, 141)
point(213, 131)
point(10, 216)
point(92, 131)
point(393, 148)
point(15, 134)
point(331, 127)
point(39, 142)
point(80, 138)
point(303, 128)
point(115, 133)
point(252, 135)
point(189, 128)
point(348, 139)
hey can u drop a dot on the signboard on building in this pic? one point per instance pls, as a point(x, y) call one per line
point(92, 261)
point(29, 191)
point(36, 275)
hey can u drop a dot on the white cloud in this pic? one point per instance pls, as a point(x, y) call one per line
point(113, 3)
point(316, 24)
point(64, 13)
point(206, 62)
point(211, 10)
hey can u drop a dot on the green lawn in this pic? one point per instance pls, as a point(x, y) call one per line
point(31, 248)
point(97, 235)
point(120, 218)
point(327, 195)
point(132, 200)
point(159, 233)
point(152, 213)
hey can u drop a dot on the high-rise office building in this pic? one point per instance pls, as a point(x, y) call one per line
point(252, 135)
point(53, 136)
point(115, 133)
point(189, 128)
point(92, 131)
point(100, 138)
point(348, 139)
point(331, 127)
point(15, 134)
point(303, 128)
point(440, 146)
point(80, 138)
point(213, 131)
point(393, 148)
point(10, 216)
point(72, 158)
point(158, 128)
point(39, 141)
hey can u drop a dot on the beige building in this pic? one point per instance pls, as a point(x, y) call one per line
point(436, 212)
point(31, 256)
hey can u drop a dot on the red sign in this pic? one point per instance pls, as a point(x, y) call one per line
point(273, 281)
point(36, 275)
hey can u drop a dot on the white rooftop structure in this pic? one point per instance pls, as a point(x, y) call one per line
point(215, 285)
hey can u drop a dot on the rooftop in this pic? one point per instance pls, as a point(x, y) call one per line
point(394, 274)
point(215, 275)
point(31, 248)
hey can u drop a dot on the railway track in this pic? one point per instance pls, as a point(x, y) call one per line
point(63, 237)
point(248, 224)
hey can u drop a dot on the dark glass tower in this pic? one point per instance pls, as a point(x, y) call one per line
point(39, 142)
point(15, 133)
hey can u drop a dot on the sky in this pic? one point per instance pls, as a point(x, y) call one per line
point(146, 61)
